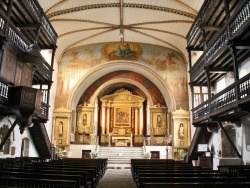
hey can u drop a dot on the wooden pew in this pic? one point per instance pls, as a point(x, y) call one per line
point(83, 174)
point(76, 178)
point(154, 180)
point(94, 169)
point(197, 185)
point(149, 161)
point(171, 170)
point(30, 182)
point(92, 177)
point(244, 173)
point(139, 164)
point(189, 174)
point(232, 168)
point(100, 162)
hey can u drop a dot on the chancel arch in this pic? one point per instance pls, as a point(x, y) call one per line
point(151, 85)
point(103, 69)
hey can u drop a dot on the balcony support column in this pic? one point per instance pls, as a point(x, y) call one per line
point(189, 58)
point(229, 139)
point(209, 93)
point(208, 84)
point(2, 45)
point(226, 7)
point(192, 93)
point(234, 58)
point(235, 68)
point(204, 38)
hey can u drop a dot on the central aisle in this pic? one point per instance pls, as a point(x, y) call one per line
point(121, 178)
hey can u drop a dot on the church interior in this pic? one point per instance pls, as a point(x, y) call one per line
point(167, 81)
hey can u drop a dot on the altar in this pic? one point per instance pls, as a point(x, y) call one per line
point(122, 140)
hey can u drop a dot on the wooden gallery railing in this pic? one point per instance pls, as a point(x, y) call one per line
point(228, 32)
point(228, 99)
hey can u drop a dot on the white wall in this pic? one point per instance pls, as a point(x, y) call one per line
point(47, 55)
point(162, 150)
point(16, 141)
point(76, 150)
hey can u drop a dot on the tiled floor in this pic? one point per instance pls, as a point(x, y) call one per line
point(117, 178)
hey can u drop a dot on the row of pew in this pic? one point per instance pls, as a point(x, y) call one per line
point(64, 173)
point(159, 173)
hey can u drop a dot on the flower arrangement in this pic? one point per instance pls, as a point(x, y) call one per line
point(94, 155)
point(180, 151)
point(58, 149)
point(147, 155)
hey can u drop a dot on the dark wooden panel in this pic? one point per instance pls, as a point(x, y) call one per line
point(8, 66)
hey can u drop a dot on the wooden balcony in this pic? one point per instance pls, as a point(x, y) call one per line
point(28, 17)
point(217, 52)
point(24, 29)
point(227, 105)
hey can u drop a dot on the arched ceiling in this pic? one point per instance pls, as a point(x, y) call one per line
point(157, 22)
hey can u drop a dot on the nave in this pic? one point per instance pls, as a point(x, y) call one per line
point(142, 173)
point(121, 178)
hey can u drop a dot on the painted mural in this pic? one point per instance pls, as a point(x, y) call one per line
point(77, 62)
point(122, 51)
point(150, 86)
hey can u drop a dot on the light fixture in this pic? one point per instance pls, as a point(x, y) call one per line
point(121, 35)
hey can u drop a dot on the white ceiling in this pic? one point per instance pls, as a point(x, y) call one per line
point(85, 22)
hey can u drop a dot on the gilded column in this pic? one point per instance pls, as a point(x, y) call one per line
point(108, 119)
point(141, 120)
point(103, 117)
point(136, 120)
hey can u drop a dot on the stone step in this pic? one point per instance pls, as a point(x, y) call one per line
point(119, 157)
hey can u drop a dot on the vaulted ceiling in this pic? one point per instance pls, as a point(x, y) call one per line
point(157, 22)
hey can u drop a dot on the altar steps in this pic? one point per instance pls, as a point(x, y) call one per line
point(119, 157)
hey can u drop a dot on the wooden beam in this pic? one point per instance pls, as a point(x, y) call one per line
point(194, 49)
point(8, 134)
point(26, 27)
point(218, 70)
point(211, 28)
point(197, 84)
point(243, 47)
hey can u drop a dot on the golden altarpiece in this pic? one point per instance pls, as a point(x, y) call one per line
point(85, 133)
point(181, 132)
point(120, 118)
point(62, 119)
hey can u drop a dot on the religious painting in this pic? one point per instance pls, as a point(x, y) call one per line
point(159, 120)
point(122, 51)
point(159, 123)
point(122, 116)
point(169, 65)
